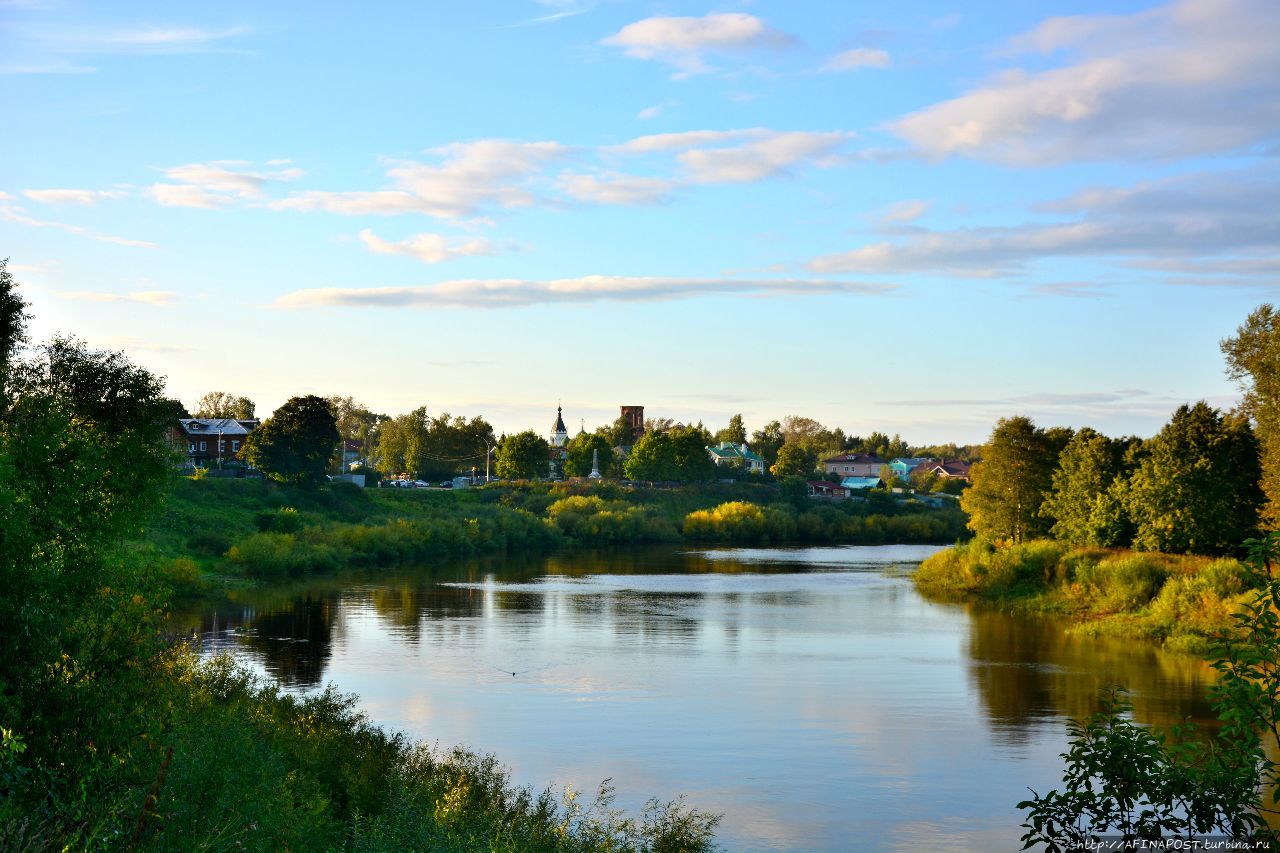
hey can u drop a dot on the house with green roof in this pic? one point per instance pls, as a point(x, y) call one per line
point(738, 455)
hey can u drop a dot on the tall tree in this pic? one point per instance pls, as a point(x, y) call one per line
point(1196, 490)
point(1011, 482)
point(679, 454)
point(1082, 503)
point(220, 404)
point(1253, 360)
point(294, 444)
point(768, 441)
point(578, 454)
point(795, 460)
point(13, 326)
point(523, 456)
point(735, 432)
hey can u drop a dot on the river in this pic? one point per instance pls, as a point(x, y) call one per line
point(810, 695)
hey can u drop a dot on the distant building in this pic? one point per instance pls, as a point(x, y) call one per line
point(208, 440)
point(728, 453)
point(947, 469)
point(823, 489)
point(862, 483)
point(634, 417)
point(559, 435)
point(854, 465)
point(558, 440)
point(903, 466)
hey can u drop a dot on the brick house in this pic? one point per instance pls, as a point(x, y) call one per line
point(854, 465)
point(211, 440)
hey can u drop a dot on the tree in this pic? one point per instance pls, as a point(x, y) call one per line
point(578, 451)
point(294, 444)
point(1012, 481)
point(1082, 501)
point(768, 441)
point(735, 432)
point(1253, 360)
point(523, 456)
point(220, 404)
point(1196, 491)
point(13, 325)
point(679, 454)
point(619, 433)
point(795, 460)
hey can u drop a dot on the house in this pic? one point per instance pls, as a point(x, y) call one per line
point(903, 466)
point(862, 483)
point(728, 453)
point(823, 489)
point(208, 440)
point(854, 465)
point(947, 469)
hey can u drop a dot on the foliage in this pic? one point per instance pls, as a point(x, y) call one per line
point(1012, 481)
point(735, 432)
point(578, 456)
point(678, 454)
point(432, 448)
point(1127, 780)
point(295, 443)
point(1253, 360)
point(1196, 490)
point(220, 404)
point(795, 460)
point(1082, 502)
point(523, 456)
point(768, 441)
point(13, 326)
point(595, 521)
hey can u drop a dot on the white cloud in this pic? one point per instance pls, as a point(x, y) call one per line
point(81, 197)
point(859, 57)
point(218, 183)
point(511, 293)
point(143, 39)
point(684, 42)
point(687, 139)
point(470, 177)
point(428, 248)
point(1190, 78)
point(615, 188)
point(772, 155)
point(144, 297)
point(1227, 216)
point(907, 210)
point(13, 213)
point(180, 195)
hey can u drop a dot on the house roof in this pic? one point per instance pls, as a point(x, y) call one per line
point(862, 458)
point(861, 482)
point(213, 426)
point(910, 461)
point(729, 450)
point(559, 424)
point(824, 484)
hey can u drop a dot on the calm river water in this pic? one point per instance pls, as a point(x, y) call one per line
point(811, 695)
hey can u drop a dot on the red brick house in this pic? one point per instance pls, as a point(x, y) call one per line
point(211, 440)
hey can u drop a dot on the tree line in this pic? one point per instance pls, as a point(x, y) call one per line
point(1204, 484)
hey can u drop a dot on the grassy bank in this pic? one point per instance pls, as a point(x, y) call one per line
point(1181, 602)
point(227, 532)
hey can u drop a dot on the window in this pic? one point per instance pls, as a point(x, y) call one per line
point(222, 445)
point(202, 446)
point(193, 447)
point(235, 445)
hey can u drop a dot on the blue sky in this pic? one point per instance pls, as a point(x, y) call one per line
point(914, 218)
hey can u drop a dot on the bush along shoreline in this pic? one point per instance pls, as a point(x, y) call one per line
point(1184, 603)
point(223, 532)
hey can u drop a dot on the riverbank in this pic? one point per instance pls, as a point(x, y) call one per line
point(220, 533)
point(1179, 602)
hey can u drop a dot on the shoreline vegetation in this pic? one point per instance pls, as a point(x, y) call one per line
point(218, 533)
point(1183, 603)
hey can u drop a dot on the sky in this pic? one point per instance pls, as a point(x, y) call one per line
point(914, 218)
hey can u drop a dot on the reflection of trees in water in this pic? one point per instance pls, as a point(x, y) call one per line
point(1029, 670)
point(295, 642)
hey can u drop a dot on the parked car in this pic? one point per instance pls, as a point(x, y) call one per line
point(421, 484)
point(447, 484)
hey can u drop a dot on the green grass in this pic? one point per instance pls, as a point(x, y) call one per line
point(1181, 602)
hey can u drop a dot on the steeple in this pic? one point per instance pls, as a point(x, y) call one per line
point(559, 435)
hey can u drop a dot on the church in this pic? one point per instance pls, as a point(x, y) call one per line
point(558, 440)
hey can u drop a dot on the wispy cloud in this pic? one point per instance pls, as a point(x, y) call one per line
point(1073, 289)
point(49, 50)
point(428, 248)
point(615, 188)
point(16, 214)
point(907, 210)
point(219, 183)
point(858, 57)
point(685, 42)
point(1225, 215)
point(470, 177)
point(513, 293)
point(86, 198)
point(1189, 78)
point(143, 297)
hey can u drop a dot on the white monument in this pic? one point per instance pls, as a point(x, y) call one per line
point(595, 464)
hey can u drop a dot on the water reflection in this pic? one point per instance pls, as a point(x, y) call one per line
point(809, 694)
